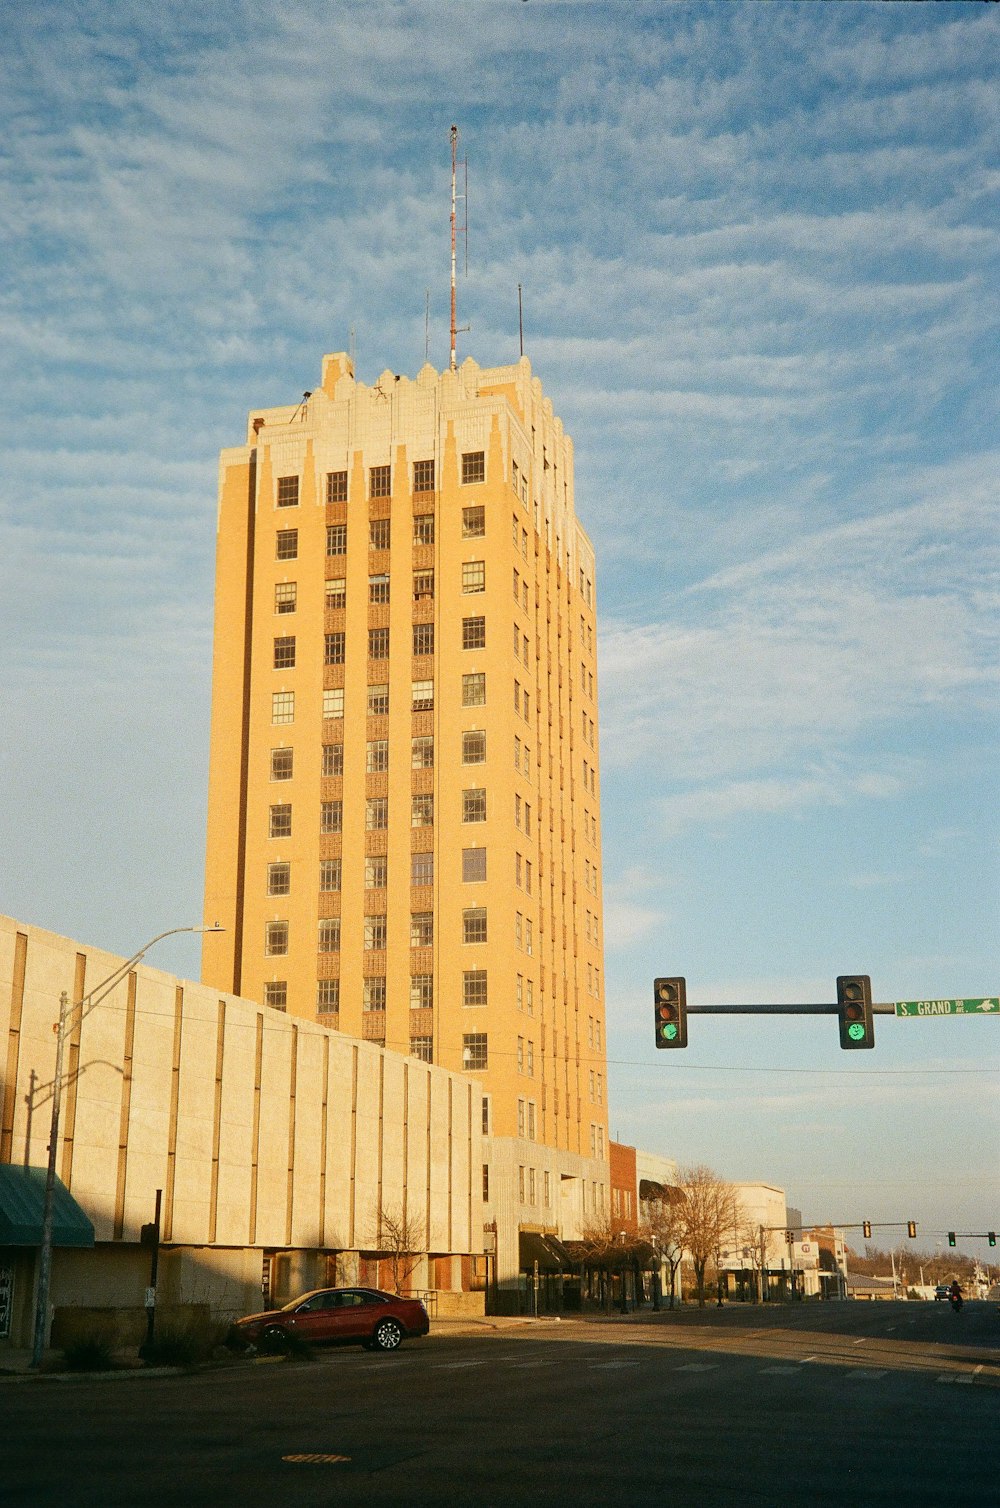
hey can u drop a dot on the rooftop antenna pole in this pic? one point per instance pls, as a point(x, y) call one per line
point(454, 309)
point(520, 319)
point(427, 324)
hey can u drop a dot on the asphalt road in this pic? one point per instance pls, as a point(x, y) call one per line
point(830, 1404)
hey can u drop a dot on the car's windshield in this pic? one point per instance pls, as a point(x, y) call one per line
point(294, 1303)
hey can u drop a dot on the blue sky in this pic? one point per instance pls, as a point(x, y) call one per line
point(759, 250)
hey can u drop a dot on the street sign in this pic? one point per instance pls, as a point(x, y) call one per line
point(979, 1007)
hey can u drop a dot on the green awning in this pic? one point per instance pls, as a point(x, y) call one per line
point(22, 1202)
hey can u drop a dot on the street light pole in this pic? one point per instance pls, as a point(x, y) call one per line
point(66, 1013)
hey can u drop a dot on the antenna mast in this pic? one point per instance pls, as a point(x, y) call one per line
point(456, 328)
point(454, 302)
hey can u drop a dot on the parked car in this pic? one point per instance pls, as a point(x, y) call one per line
point(366, 1316)
point(942, 1291)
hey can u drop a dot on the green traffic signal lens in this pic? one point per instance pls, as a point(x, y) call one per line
point(856, 1031)
point(670, 1031)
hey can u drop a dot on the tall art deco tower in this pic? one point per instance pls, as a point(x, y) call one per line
point(404, 831)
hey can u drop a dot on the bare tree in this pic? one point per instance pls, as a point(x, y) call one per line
point(663, 1226)
point(710, 1215)
point(752, 1237)
point(399, 1237)
point(609, 1249)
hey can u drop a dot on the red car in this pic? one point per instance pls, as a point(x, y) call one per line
point(365, 1315)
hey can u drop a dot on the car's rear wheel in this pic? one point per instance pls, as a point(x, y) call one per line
point(387, 1335)
point(274, 1338)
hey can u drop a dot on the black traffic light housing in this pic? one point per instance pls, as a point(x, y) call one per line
point(854, 1008)
point(866, 1228)
point(991, 1237)
point(670, 1009)
point(951, 1238)
point(911, 1229)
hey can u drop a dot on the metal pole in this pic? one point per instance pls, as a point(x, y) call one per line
point(45, 1254)
point(154, 1263)
point(454, 310)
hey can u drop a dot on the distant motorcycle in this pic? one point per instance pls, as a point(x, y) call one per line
point(955, 1298)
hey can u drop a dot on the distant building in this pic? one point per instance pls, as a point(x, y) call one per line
point(404, 836)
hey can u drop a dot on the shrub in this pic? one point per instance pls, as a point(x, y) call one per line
point(89, 1353)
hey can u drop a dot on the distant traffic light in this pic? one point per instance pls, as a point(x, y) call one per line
point(866, 1228)
point(670, 1008)
point(951, 1238)
point(991, 1237)
point(854, 1005)
point(911, 1229)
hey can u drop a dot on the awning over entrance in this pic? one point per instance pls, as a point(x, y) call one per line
point(22, 1202)
point(548, 1251)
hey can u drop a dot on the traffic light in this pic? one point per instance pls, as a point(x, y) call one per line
point(670, 1007)
point(991, 1237)
point(911, 1229)
point(866, 1228)
point(951, 1238)
point(854, 1004)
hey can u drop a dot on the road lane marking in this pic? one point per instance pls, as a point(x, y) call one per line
point(699, 1366)
point(866, 1374)
point(780, 1371)
point(859, 1342)
point(611, 1366)
point(456, 1366)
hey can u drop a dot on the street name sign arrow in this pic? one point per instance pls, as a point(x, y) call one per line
point(907, 1009)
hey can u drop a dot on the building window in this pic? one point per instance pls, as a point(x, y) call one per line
point(285, 593)
point(474, 689)
point(474, 805)
point(473, 466)
point(530, 1059)
point(336, 592)
point(423, 528)
point(421, 929)
point(378, 701)
point(328, 996)
point(329, 874)
point(473, 522)
point(378, 644)
point(520, 1118)
point(473, 865)
point(422, 752)
point(374, 994)
point(288, 491)
point(333, 759)
point(520, 1056)
point(376, 813)
point(422, 1048)
point(379, 531)
point(475, 1052)
point(547, 1187)
point(336, 486)
point(528, 929)
point(473, 633)
point(331, 818)
point(486, 1183)
point(333, 649)
point(376, 871)
point(333, 701)
point(378, 588)
point(280, 825)
point(519, 992)
point(423, 696)
point(377, 756)
point(423, 585)
point(287, 544)
point(275, 938)
point(279, 879)
point(474, 746)
point(530, 996)
point(276, 994)
point(473, 576)
point(423, 476)
point(375, 928)
point(486, 1115)
point(379, 481)
point(422, 810)
point(329, 934)
point(281, 764)
point(421, 992)
point(423, 639)
point(336, 539)
point(283, 707)
point(531, 1186)
point(520, 1185)
point(422, 868)
point(474, 925)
